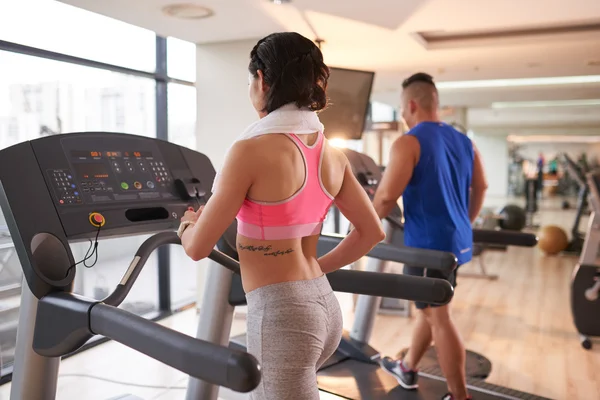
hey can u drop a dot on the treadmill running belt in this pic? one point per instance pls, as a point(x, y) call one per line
point(370, 382)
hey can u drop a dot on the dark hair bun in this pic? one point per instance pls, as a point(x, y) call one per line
point(294, 70)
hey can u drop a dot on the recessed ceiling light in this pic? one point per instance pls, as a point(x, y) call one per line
point(280, 1)
point(548, 103)
point(560, 80)
point(187, 11)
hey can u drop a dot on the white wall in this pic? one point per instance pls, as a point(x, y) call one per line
point(494, 153)
point(224, 109)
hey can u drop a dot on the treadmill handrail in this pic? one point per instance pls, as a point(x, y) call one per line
point(425, 258)
point(505, 238)
point(200, 359)
point(495, 237)
point(381, 284)
point(142, 255)
point(137, 264)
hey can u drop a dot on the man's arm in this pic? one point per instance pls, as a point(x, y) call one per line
point(404, 156)
point(479, 186)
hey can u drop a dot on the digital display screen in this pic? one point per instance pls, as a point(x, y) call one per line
point(110, 154)
point(90, 170)
point(85, 154)
point(138, 154)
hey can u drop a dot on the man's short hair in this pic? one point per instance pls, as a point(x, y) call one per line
point(421, 88)
point(418, 77)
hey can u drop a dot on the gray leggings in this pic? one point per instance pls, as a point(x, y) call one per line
point(293, 328)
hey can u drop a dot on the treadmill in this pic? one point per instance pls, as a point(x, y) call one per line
point(356, 359)
point(431, 383)
point(73, 187)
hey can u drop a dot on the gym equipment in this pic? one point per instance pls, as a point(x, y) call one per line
point(552, 239)
point(585, 283)
point(353, 371)
point(223, 291)
point(64, 188)
point(477, 366)
point(578, 173)
point(531, 206)
point(512, 218)
point(369, 176)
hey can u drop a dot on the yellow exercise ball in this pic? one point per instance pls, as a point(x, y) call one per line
point(552, 239)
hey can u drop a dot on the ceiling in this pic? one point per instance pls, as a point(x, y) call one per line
point(382, 35)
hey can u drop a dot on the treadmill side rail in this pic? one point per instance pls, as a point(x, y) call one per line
point(203, 360)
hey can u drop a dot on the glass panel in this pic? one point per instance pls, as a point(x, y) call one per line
point(182, 131)
point(52, 25)
point(182, 115)
point(114, 257)
point(11, 276)
point(184, 278)
point(181, 59)
point(40, 97)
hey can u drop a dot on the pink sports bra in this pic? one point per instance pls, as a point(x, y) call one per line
point(300, 215)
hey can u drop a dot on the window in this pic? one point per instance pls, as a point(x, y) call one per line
point(11, 276)
point(55, 26)
point(182, 115)
point(114, 257)
point(182, 131)
point(41, 97)
point(181, 59)
point(381, 112)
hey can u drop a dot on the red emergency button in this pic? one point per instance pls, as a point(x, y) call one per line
point(97, 219)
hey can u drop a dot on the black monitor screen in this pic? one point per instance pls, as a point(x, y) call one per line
point(349, 92)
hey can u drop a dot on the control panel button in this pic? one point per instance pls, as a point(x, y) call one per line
point(137, 185)
point(124, 185)
point(97, 219)
point(150, 184)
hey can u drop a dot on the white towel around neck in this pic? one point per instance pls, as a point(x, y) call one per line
point(286, 119)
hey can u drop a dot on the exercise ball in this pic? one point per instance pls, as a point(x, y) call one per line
point(565, 205)
point(552, 239)
point(512, 218)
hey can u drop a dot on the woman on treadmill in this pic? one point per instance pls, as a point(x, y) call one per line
point(279, 180)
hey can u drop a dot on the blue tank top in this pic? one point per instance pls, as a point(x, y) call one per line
point(436, 200)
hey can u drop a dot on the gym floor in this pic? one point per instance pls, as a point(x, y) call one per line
point(521, 322)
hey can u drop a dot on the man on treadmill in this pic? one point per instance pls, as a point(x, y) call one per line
point(439, 174)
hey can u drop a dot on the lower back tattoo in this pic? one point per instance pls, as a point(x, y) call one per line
point(266, 250)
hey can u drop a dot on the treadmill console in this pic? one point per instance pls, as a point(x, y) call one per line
point(129, 180)
point(100, 175)
point(369, 174)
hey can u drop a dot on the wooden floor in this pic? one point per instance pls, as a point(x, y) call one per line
point(521, 322)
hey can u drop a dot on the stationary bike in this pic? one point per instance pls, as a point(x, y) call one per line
point(585, 284)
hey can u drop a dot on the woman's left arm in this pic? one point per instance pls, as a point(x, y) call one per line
point(214, 218)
